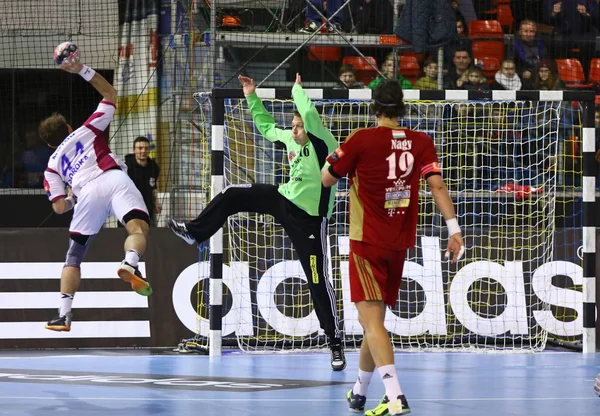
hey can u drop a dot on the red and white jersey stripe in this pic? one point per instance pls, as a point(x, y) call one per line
point(82, 156)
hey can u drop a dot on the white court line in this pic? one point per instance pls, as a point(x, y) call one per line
point(189, 399)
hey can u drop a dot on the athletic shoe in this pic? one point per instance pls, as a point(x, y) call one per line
point(338, 359)
point(597, 385)
point(133, 276)
point(400, 407)
point(334, 28)
point(356, 402)
point(311, 27)
point(60, 323)
point(181, 231)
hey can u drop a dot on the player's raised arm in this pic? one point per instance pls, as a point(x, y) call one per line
point(310, 116)
point(446, 207)
point(264, 121)
point(104, 87)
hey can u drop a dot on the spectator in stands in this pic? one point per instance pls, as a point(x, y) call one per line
point(528, 50)
point(574, 28)
point(461, 61)
point(429, 81)
point(387, 68)
point(144, 172)
point(313, 19)
point(372, 16)
point(475, 80)
point(462, 42)
point(547, 77)
point(348, 78)
point(507, 78)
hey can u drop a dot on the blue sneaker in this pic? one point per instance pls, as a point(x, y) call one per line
point(382, 408)
point(356, 402)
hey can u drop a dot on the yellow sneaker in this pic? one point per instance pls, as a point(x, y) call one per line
point(399, 407)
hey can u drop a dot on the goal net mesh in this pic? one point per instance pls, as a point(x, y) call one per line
point(500, 163)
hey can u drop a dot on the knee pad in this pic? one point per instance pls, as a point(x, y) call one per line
point(78, 245)
point(136, 214)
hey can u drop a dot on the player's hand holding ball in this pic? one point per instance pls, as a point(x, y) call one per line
point(67, 56)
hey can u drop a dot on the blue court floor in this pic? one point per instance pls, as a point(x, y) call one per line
point(141, 382)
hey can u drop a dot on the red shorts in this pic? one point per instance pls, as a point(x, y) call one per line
point(375, 273)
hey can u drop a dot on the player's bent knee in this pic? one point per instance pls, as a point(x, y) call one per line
point(78, 245)
point(136, 214)
point(137, 226)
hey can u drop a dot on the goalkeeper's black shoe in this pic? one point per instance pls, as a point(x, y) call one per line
point(133, 276)
point(338, 359)
point(398, 407)
point(181, 231)
point(60, 323)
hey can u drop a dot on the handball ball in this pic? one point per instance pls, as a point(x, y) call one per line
point(65, 50)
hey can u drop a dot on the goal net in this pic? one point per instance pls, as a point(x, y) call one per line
point(500, 163)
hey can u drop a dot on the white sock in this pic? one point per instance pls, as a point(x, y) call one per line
point(132, 257)
point(66, 300)
point(362, 382)
point(390, 381)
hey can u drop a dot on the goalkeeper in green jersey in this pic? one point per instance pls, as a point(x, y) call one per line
point(302, 205)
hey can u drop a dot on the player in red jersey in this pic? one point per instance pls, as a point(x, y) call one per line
point(385, 164)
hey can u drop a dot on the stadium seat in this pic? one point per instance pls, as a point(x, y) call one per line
point(571, 72)
point(364, 72)
point(491, 65)
point(409, 67)
point(488, 49)
point(325, 53)
point(505, 17)
point(485, 29)
point(595, 70)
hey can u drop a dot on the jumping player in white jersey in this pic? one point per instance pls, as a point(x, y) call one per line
point(83, 174)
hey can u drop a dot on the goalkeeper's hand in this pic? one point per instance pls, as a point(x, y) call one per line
point(248, 84)
point(456, 246)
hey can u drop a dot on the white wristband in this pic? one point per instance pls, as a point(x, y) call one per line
point(87, 73)
point(71, 203)
point(453, 227)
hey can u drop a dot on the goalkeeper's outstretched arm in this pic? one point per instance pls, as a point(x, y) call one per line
point(263, 120)
point(446, 207)
point(310, 116)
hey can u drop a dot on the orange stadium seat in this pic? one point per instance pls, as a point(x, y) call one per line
point(491, 65)
point(571, 72)
point(364, 72)
point(505, 16)
point(497, 3)
point(324, 53)
point(409, 67)
point(485, 29)
point(488, 49)
point(595, 70)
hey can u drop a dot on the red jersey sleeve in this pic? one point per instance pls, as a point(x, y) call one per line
point(429, 162)
point(344, 159)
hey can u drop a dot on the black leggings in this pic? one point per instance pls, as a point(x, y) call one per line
point(308, 234)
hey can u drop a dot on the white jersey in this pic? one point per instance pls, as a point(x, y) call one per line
point(82, 156)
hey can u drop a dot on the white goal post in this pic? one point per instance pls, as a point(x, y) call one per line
point(499, 153)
